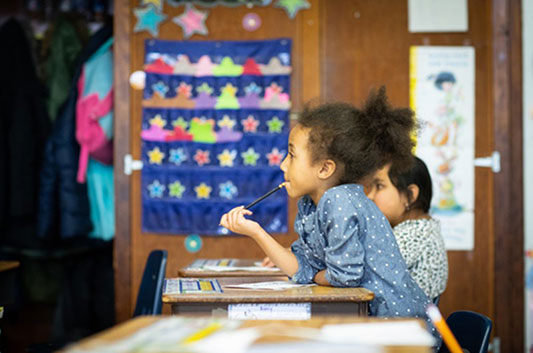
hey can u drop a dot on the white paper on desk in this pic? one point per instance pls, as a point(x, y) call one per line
point(272, 285)
point(269, 311)
point(392, 333)
point(240, 268)
point(237, 341)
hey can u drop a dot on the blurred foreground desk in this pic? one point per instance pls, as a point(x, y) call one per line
point(205, 268)
point(319, 300)
point(326, 334)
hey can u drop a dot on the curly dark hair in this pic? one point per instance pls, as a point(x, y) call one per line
point(363, 140)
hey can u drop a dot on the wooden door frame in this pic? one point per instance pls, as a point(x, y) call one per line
point(122, 146)
point(508, 205)
point(508, 184)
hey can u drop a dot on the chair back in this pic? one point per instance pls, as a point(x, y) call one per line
point(149, 300)
point(471, 329)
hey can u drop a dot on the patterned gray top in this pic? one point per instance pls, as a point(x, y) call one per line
point(422, 247)
point(348, 236)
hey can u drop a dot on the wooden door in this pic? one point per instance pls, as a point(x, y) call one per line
point(342, 49)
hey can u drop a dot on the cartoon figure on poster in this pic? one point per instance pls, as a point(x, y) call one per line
point(444, 138)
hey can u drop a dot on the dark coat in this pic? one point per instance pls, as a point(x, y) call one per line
point(24, 126)
point(63, 202)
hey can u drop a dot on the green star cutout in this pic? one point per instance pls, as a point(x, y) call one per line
point(176, 189)
point(250, 157)
point(293, 6)
point(181, 123)
point(275, 125)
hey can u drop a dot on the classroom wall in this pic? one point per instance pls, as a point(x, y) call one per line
point(341, 50)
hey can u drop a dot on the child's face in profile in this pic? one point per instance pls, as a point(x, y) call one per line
point(299, 172)
point(386, 196)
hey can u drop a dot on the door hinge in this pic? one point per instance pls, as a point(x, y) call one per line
point(492, 162)
point(131, 164)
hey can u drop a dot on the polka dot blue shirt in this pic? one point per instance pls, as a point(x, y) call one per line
point(348, 236)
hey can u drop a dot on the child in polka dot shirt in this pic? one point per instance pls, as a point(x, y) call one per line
point(344, 239)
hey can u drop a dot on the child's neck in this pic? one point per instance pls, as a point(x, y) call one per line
point(416, 214)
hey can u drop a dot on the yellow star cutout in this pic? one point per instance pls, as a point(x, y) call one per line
point(230, 89)
point(227, 122)
point(156, 3)
point(226, 158)
point(156, 156)
point(157, 120)
point(202, 191)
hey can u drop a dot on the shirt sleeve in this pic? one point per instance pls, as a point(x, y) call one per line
point(306, 271)
point(344, 252)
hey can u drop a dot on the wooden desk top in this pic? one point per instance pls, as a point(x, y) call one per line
point(8, 265)
point(272, 332)
point(302, 294)
point(196, 270)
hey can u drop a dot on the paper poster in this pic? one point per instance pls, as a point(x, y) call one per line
point(442, 95)
point(214, 132)
point(438, 16)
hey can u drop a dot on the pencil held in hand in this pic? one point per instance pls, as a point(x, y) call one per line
point(444, 330)
point(253, 203)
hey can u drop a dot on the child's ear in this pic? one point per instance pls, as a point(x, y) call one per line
point(413, 191)
point(327, 169)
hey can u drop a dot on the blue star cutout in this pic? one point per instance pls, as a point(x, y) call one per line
point(160, 88)
point(156, 189)
point(177, 156)
point(148, 19)
point(227, 190)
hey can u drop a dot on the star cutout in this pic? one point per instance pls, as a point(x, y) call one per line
point(156, 3)
point(158, 121)
point(275, 125)
point(250, 124)
point(176, 189)
point(292, 6)
point(252, 88)
point(250, 157)
point(184, 89)
point(148, 19)
point(160, 88)
point(156, 189)
point(227, 190)
point(177, 156)
point(226, 158)
point(202, 191)
point(192, 21)
point(156, 156)
point(226, 121)
point(229, 90)
point(275, 156)
point(202, 157)
point(181, 123)
point(205, 88)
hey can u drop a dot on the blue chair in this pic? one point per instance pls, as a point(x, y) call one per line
point(471, 329)
point(151, 290)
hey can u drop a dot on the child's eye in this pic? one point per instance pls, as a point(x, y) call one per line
point(380, 186)
point(291, 155)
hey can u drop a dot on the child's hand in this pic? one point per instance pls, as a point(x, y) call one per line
point(234, 220)
point(267, 262)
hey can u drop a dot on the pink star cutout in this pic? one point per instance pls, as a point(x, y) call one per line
point(274, 157)
point(201, 157)
point(192, 21)
point(250, 124)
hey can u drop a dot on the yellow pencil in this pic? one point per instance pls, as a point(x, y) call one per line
point(441, 325)
point(209, 329)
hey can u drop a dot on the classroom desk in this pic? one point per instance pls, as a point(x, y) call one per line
point(272, 332)
point(7, 281)
point(196, 270)
point(324, 300)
